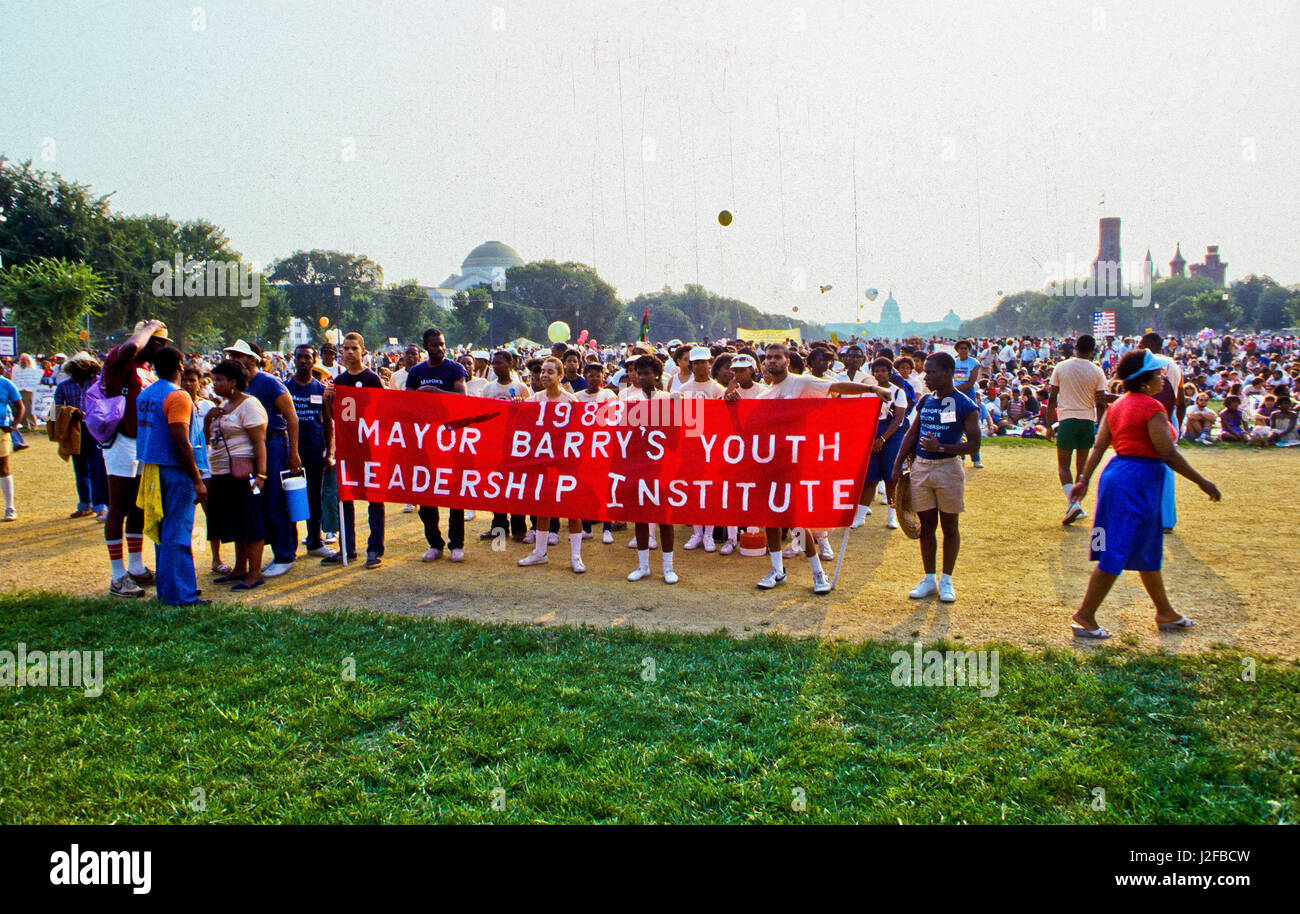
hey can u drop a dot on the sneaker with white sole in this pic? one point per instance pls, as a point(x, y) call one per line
point(652, 544)
point(670, 577)
point(431, 556)
point(694, 542)
point(640, 574)
point(321, 551)
point(975, 464)
point(791, 551)
point(275, 569)
point(946, 592)
point(552, 539)
point(1072, 513)
point(125, 587)
point(827, 553)
point(534, 558)
point(821, 583)
point(457, 555)
point(770, 580)
point(575, 562)
point(710, 545)
point(859, 522)
point(470, 515)
point(530, 537)
point(892, 521)
point(926, 588)
point(11, 514)
point(727, 548)
point(408, 509)
point(607, 537)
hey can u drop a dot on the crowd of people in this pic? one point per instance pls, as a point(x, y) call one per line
point(151, 433)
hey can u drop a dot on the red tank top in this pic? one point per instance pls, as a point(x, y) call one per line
point(1128, 417)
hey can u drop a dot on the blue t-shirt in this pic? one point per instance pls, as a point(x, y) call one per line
point(8, 394)
point(309, 404)
point(440, 377)
point(267, 388)
point(943, 418)
point(964, 368)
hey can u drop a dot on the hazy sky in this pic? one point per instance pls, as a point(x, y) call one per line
point(973, 140)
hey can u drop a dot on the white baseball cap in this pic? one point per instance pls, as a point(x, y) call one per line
point(744, 361)
point(700, 352)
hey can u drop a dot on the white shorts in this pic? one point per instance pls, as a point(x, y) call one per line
point(119, 460)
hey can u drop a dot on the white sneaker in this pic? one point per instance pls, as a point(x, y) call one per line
point(11, 513)
point(859, 522)
point(1072, 513)
point(587, 534)
point(531, 537)
point(125, 587)
point(827, 553)
point(607, 537)
point(639, 575)
point(821, 583)
point(575, 562)
point(770, 580)
point(535, 558)
point(880, 490)
point(275, 569)
point(431, 556)
point(470, 515)
point(670, 577)
point(457, 555)
point(324, 552)
point(790, 552)
point(926, 588)
point(329, 538)
point(867, 512)
point(710, 545)
point(946, 593)
point(553, 538)
point(654, 544)
point(631, 544)
point(727, 548)
point(408, 509)
point(695, 541)
point(892, 521)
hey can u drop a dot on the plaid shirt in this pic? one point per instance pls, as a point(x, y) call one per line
point(73, 393)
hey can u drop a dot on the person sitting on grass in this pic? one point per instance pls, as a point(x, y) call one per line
point(1200, 420)
point(1283, 420)
point(1232, 420)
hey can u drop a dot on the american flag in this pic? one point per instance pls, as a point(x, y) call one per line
point(1103, 323)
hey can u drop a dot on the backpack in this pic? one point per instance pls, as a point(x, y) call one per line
point(103, 413)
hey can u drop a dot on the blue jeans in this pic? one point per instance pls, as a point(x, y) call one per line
point(92, 484)
point(281, 535)
point(177, 584)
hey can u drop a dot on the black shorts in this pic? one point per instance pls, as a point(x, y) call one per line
point(234, 512)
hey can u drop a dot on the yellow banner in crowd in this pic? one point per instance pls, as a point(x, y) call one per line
point(769, 336)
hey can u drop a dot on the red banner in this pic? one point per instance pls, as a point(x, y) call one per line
point(767, 463)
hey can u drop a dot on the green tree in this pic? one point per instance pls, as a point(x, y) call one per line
point(50, 299)
point(469, 311)
point(406, 310)
point(569, 292)
point(309, 280)
point(1217, 310)
point(46, 216)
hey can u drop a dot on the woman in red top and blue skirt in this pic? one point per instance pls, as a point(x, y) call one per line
point(1127, 530)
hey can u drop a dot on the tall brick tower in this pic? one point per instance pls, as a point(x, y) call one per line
point(1106, 277)
point(1178, 263)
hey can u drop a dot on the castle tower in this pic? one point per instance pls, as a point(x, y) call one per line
point(1213, 268)
point(1178, 263)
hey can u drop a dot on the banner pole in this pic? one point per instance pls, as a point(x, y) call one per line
point(839, 559)
point(343, 546)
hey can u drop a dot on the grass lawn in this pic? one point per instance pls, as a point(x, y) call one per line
point(444, 718)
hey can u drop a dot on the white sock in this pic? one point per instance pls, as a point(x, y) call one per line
point(135, 560)
point(732, 534)
point(945, 579)
point(539, 544)
point(7, 487)
point(778, 565)
point(118, 566)
point(697, 530)
point(643, 560)
point(822, 540)
point(1066, 487)
point(929, 579)
point(862, 514)
point(708, 532)
point(575, 545)
point(668, 562)
point(815, 561)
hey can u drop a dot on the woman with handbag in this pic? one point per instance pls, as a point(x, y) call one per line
point(237, 454)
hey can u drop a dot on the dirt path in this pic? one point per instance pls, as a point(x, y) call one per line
point(1019, 576)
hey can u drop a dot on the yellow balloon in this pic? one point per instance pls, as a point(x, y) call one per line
point(558, 332)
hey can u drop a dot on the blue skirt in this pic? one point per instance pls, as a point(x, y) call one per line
point(880, 468)
point(1127, 533)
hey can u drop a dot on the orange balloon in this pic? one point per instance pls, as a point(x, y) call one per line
point(83, 335)
point(324, 322)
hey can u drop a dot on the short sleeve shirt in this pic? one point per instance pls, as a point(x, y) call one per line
point(309, 404)
point(702, 390)
point(1077, 383)
point(943, 418)
point(1127, 418)
point(964, 368)
point(798, 387)
point(432, 378)
point(363, 378)
point(267, 388)
point(8, 395)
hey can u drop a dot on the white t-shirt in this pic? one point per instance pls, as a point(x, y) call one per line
point(474, 386)
point(398, 380)
point(541, 396)
point(495, 390)
point(702, 390)
point(636, 393)
point(754, 392)
point(798, 387)
point(864, 377)
point(1077, 382)
point(603, 395)
point(896, 398)
point(676, 383)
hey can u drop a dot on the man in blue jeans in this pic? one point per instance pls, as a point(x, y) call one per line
point(170, 436)
point(281, 454)
point(315, 438)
